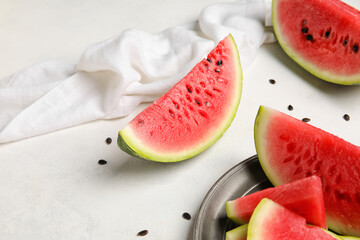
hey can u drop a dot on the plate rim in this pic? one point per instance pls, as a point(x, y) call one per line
point(211, 191)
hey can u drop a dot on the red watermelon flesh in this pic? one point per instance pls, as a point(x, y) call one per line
point(271, 221)
point(323, 36)
point(289, 149)
point(192, 115)
point(304, 196)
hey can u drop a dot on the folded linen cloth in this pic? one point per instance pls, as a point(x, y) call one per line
point(113, 76)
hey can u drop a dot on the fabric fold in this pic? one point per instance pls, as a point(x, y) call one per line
point(114, 76)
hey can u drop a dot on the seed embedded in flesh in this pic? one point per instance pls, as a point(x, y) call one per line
point(327, 34)
point(217, 70)
point(355, 48)
point(310, 37)
point(189, 88)
point(209, 60)
point(219, 63)
point(346, 42)
point(305, 30)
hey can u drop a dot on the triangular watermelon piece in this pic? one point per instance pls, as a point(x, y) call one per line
point(289, 149)
point(193, 114)
point(303, 196)
point(271, 221)
point(322, 36)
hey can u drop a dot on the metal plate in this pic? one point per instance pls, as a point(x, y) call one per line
point(247, 177)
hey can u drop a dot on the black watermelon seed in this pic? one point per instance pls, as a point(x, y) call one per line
point(309, 37)
point(305, 119)
point(346, 42)
point(219, 63)
point(346, 117)
point(327, 34)
point(305, 30)
point(209, 60)
point(272, 81)
point(217, 70)
point(189, 90)
point(186, 216)
point(355, 48)
point(102, 162)
point(108, 140)
point(198, 102)
point(143, 233)
point(290, 108)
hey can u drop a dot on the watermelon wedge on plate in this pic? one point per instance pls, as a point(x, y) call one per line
point(192, 115)
point(323, 36)
point(271, 221)
point(303, 196)
point(290, 149)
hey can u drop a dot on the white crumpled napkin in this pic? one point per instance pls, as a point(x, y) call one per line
point(114, 76)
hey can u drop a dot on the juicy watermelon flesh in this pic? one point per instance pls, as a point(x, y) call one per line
point(272, 221)
point(195, 108)
point(303, 196)
point(325, 33)
point(290, 149)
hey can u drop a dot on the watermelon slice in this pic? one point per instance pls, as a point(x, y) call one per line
point(271, 221)
point(323, 36)
point(239, 233)
point(289, 149)
point(304, 196)
point(192, 115)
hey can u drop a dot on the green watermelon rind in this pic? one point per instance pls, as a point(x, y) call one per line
point(231, 213)
point(260, 128)
point(254, 232)
point(316, 71)
point(237, 233)
point(129, 143)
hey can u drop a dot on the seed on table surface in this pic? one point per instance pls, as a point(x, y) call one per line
point(186, 216)
point(346, 117)
point(272, 81)
point(108, 140)
point(305, 119)
point(143, 233)
point(290, 108)
point(102, 162)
